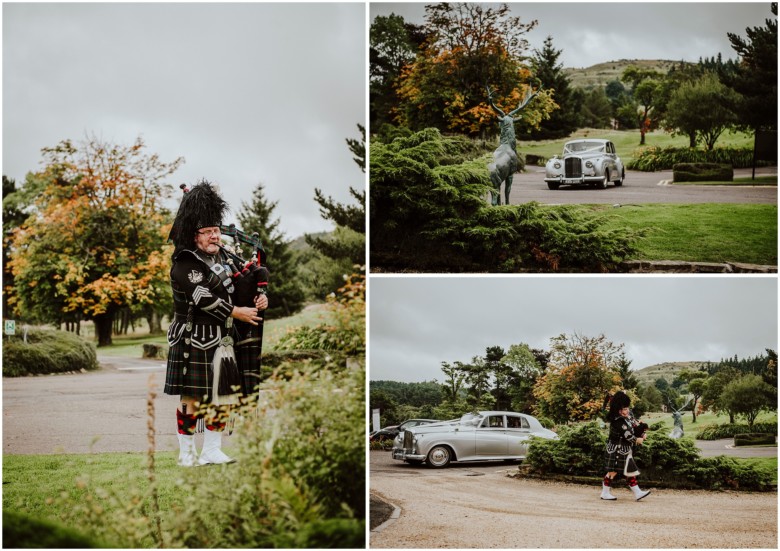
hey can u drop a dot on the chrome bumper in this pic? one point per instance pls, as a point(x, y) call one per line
point(570, 181)
point(403, 455)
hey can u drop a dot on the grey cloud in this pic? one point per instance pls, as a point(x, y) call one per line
point(416, 323)
point(247, 93)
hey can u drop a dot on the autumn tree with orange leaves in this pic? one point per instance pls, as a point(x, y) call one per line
point(95, 239)
point(468, 48)
point(581, 371)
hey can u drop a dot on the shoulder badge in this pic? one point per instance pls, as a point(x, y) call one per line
point(195, 276)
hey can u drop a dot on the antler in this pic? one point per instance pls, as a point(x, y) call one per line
point(529, 95)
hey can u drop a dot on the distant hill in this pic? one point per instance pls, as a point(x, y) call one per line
point(666, 370)
point(602, 73)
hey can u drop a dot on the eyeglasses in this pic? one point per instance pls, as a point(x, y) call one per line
point(210, 232)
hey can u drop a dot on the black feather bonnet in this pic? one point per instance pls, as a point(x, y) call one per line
point(201, 207)
point(619, 401)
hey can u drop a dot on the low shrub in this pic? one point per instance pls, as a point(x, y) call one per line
point(22, 531)
point(754, 439)
point(578, 450)
point(535, 160)
point(47, 351)
point(651, 159)
point(429, 212)
point(675, 462)
point(729, 430)
point(703, 172)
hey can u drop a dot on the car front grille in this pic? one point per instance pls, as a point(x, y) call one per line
point(408, 440)
point(573, 167)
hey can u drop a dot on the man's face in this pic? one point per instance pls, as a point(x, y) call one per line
point(208, 239)
point(624, 412)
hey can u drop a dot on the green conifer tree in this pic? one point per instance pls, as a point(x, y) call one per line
point(286, 291)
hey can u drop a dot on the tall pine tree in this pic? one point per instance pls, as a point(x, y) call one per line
point(562, 121)
point(286, 291)
point(345, 247)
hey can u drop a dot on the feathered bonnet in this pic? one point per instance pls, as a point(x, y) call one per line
point(619, 401)
point(201, 207)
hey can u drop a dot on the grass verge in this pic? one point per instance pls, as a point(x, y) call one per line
point(710, 232)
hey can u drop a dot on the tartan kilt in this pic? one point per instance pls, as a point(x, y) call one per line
point(614, 460)
point(197, 382)
point(199, 377)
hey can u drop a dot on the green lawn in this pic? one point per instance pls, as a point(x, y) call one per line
point(626, 141)
point(131, 345)
point(759, 181)
point(51, 486)
point(708, 232)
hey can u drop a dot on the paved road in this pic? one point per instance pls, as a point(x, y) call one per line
point(640, 188)
point(100, 411)
point(477, 506)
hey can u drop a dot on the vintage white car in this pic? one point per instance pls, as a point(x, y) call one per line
point(587, 161)
point(486, 435)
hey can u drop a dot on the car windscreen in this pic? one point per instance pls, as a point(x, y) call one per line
point(584, 147)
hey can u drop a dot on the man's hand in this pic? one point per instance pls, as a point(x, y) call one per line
point(261, 302)
point(245, 314)
point(640, 440)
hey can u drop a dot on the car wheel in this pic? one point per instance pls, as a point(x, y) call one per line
point(603, 184)
point(622, 177)
point(553, 186)
point(439, 456)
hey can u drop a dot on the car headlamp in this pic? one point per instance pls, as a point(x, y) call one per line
point(557, 165)
point(589, 164)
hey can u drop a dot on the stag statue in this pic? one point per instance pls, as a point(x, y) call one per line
point(677, 431)
point(505, 164)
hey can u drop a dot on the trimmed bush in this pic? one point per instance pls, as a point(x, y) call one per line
point(754, 439)
point(651, 159)
point(703, 172)
point(728, 430)
point(47, 351)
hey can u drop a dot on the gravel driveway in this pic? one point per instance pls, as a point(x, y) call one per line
point(477, 506)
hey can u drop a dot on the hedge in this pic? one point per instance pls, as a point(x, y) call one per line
point(703, 172)
point(47, 351)
point(728, 430)
point(651, 159)
point(754, 439)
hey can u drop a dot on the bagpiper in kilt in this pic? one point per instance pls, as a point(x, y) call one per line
point(619, 452)
point(206, 362)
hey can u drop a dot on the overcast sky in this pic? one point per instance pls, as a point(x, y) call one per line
point(246, 93)
point(591, 33)
point(418, 322)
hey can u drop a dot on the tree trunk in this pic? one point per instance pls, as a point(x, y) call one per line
point(154, 319)
point(104, 324)
point(692, 138)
